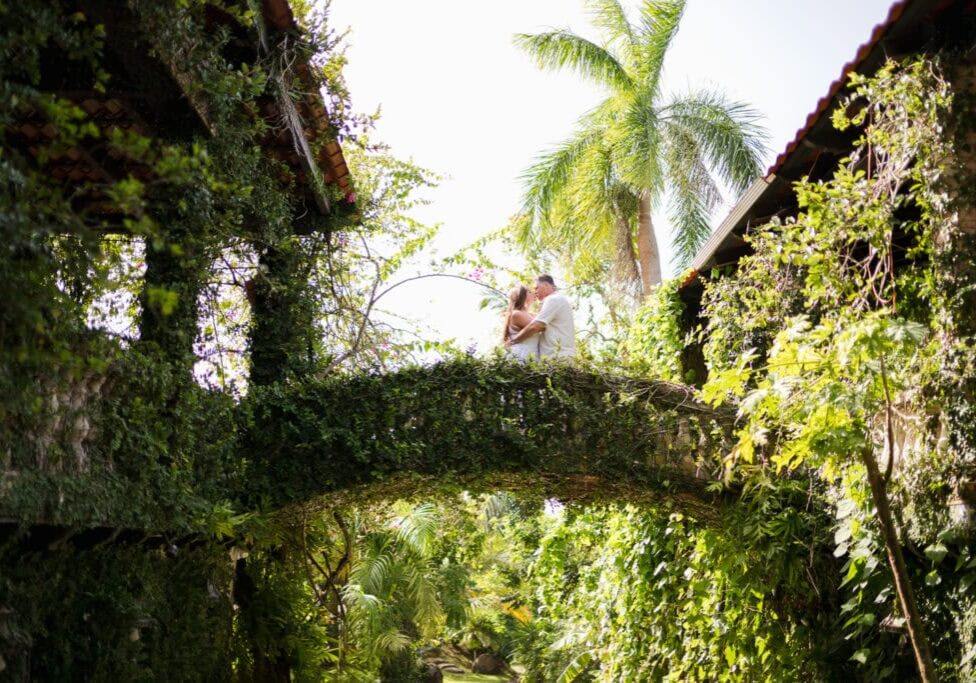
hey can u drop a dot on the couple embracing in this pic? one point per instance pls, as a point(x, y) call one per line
point(550, 333)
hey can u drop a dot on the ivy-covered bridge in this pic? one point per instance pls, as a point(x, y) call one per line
point(559, 431)
point(185, 131)
point(97, 432)
point(556, 430)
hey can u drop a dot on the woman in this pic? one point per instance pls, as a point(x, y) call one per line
point(518, 317)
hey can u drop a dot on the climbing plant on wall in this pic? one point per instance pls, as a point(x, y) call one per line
point(841, 371)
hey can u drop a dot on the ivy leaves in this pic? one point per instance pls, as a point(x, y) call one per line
point(822, 386)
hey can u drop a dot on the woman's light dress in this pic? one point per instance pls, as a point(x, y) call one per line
point(525, 349)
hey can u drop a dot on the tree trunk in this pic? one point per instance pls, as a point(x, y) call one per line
point(625, 275)
point(647, 253)
point(903, 585)
point(267, 666)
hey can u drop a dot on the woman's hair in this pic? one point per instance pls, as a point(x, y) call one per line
point(516, 302)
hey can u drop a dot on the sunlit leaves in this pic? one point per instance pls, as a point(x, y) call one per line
point(649, 595)
point(730, 382)
point(655, 342)
point(844, 326)
point(566, 50)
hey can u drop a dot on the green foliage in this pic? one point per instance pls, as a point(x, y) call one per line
point(113, 612)
point(390, 595)
point(745, 318)
point(655, 341)
point(467, 419)
point(830, 374)
point(610, 593)
point(96, 429)
point(568, 593)
point(818, 339)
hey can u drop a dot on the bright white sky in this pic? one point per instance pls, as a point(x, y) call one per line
point(458, 98)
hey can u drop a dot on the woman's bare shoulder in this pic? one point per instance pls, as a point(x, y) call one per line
point(521, 318)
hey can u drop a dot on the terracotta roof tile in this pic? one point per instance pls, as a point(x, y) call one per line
point(863, 51)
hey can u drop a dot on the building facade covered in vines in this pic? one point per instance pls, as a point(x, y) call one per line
point(162, 140)
point(149, 523)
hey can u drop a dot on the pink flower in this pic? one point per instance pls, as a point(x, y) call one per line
point(351, 197)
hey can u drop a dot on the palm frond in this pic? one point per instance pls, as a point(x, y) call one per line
point(597, 196)
point(729, 132)
point(373, 568)
point(576, 197)
point(355, 597)
point(499, 504)
point(659, 21)
point(392, 641)
point(572, 239)
point(423, 595)
point(564, 49)
point(419, 528)
point(549, 174)
point(593, 186)
point(634, 140)
point(610, 18)
point(693, 192)
point(575, 668)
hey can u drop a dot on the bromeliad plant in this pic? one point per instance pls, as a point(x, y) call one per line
point(858, 343)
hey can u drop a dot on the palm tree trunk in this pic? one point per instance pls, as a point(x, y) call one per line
point(647, 253)
point(626, 277)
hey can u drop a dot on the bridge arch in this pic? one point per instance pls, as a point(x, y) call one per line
point(557, 430)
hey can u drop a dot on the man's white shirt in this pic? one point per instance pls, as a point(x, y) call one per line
point(558, 340)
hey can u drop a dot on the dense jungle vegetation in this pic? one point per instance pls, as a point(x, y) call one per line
point(198, 393)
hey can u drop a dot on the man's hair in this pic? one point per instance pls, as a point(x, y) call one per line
point(546, 278)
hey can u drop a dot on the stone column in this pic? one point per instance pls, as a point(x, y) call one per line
point(176, 264)
point(282, 314)
point(956, 275)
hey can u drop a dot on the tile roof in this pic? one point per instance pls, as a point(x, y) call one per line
point(837, 85)
point(121, 111)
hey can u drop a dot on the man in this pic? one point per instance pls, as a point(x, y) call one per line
point(554, 322)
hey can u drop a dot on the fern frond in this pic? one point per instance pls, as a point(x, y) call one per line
point(419, 528)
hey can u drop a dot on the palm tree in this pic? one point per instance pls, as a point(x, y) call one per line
point(390, 596)
point(634, 149)
point(576, 204)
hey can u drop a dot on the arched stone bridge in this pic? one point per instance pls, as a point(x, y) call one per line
point(554, 431)
point(557, 431)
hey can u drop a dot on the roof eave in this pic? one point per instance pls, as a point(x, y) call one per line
point(278, 16)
